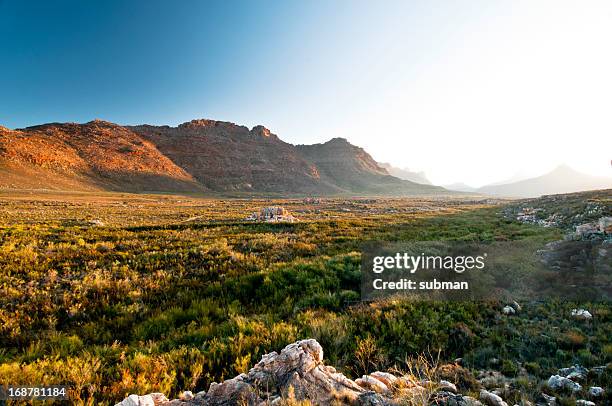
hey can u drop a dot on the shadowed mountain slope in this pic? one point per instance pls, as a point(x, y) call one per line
point(352, 168)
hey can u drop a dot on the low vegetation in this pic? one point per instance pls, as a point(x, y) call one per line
point(115, 294)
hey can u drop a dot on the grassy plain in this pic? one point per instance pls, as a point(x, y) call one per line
point(116, 293)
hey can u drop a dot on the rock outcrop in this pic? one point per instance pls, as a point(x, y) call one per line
point(559, 382)
point(298, 373)
point(272, 214)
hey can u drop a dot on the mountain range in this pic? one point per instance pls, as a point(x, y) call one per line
point(197, 156)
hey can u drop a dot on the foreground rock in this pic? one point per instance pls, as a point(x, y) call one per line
point(298, 373)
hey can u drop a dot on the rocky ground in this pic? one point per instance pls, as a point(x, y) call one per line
point(582, 215)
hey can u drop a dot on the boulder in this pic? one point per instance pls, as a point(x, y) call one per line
point(388, 379)
point(508, 310)
point(558, 382)
point(146, 400)
point(131, 400)
point(446, 398)
point(373, 384)
point(581, 314)
point(596, 391)
point(546, 400)
point(605, 225)
point(158, 398)
point(371, 399)
point(187, 395)
point(447, 386)
point(491, 399)
point(575, 373)
point(584, 230)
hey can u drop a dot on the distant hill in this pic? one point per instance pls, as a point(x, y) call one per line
point(405, 174)
point(197, 156)
point(563, 179)
point(460, 187)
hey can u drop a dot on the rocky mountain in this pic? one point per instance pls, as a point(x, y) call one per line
point(197, 156)
point(406, 174)
point(563, 179)
point(92, 156)
point(227, 157)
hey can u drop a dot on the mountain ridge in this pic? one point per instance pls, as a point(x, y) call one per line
point(200, 155)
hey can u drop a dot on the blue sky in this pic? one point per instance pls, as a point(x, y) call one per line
point(168, 62)
point(435, 86)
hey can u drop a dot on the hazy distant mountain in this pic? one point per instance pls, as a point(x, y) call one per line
point(198, 156)
point(417, 177)
point(460, 187)
point(517, 177)
point(563, 179)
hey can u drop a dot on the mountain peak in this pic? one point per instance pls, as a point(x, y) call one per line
point(100, 122)
point(198, 122)
point(204, 123)
point(563, 168)
point(338, 140)
point(260, 130)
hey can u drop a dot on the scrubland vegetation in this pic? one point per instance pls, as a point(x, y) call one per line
point(116, 294)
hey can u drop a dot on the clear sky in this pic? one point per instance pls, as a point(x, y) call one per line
point(471, 91)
